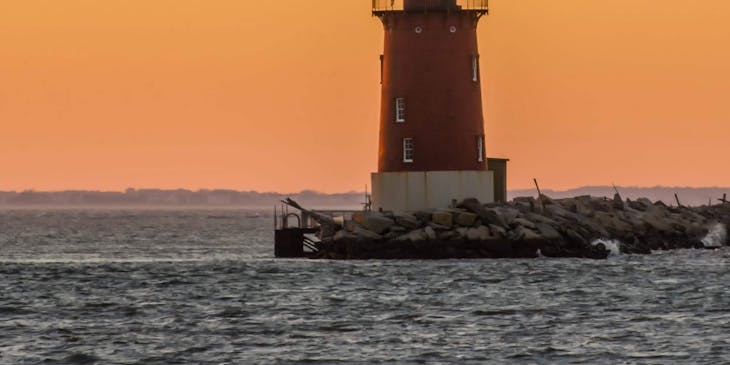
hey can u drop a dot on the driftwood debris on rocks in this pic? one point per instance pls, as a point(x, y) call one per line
point(724, 199)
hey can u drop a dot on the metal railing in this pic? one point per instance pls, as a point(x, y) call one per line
point(284, 218)
point(400, 5)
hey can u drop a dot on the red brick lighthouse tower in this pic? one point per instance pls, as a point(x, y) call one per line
point(432, 147)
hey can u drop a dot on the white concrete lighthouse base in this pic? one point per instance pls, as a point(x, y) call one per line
point(411, 191)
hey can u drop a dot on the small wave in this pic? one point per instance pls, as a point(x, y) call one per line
point(232, 312)
point(81, 359)
point(487, 312)
point(217, 217)
point(717, 236)
point(196, 349)
point(613, 246)
point(12, 310)
point(129, 311)
point(100, 305)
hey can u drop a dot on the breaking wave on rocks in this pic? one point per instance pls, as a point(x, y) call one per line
point(613, 246)
point(717, 237)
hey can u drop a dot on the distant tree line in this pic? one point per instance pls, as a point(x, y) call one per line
point(313, 199)
point(179, 197)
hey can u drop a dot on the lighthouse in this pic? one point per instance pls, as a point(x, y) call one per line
point(431, 143)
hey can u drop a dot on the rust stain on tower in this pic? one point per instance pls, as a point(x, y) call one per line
point(431, 142)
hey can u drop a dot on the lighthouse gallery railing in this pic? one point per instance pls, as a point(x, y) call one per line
point(398, 5)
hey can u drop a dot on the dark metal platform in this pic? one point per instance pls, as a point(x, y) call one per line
point(293, 242)
point(296, 233)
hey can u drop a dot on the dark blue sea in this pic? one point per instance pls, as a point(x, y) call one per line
point(201, 287)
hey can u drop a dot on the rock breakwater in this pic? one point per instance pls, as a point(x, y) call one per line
point(528, 228)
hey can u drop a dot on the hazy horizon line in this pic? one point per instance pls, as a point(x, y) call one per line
point(314, 191)
point(312, 198)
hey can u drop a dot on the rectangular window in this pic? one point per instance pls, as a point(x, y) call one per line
point(381, 68)
point(408, 150)
point(400, 110)
point(475, 68)
point(480, 148)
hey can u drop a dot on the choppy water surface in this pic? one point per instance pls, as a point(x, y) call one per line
point(201, 287)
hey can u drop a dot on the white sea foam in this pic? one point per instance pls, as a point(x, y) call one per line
point(717, 236)
point(613, 246)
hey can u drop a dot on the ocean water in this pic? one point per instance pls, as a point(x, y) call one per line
point(201, 287)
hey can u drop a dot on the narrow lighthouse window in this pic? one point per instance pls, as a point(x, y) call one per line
point(480, 148)
point(408, 150)
point(381, 68)
point(475, 68)
point(400, 110)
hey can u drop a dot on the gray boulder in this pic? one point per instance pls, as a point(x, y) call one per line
point(656, 220)
point(423, 215)
point(497, 231)
point(558, 211)
point(473, 234)
point(503, 215)
point(600, 204)
point(466, 219)
point(526, 204)
point(486, 215)
point(418, 235)
point(430, 233)
point(351, 225)
point(523, 222)
point(365, 234)
point(471, 204)
point(590, 225)
point(548, 232)
point(644, 204)
point(582, 209)
point(524, 234)
point(407, 220)
point(612, 223)
point(443, 218)
point(438, 227)
point(484, 233)
point(344, 235)
point(537, 218)
point(575, 238)
point(377, 222)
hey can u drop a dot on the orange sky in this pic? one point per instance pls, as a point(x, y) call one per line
point(284, 95)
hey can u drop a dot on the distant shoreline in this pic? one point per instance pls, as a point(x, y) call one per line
point(172, 199)
point(253, 200)
point(257, 209)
